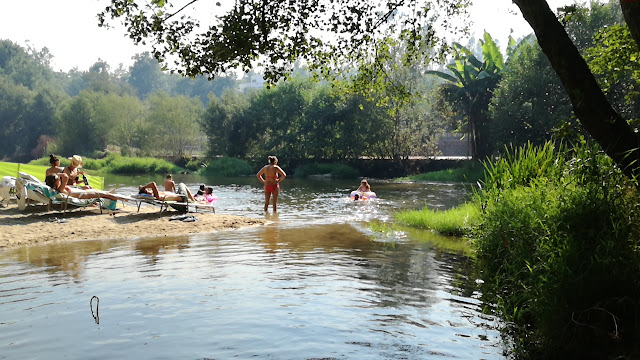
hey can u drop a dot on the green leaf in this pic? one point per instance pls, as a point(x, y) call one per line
point(491, 53)
point(442, 75)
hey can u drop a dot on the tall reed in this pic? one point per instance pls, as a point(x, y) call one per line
point(559, 245)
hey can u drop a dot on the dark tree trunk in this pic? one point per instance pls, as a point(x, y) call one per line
point(631, 12)
point(590, 105)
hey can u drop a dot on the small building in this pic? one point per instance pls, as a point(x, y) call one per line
point(255, 82)
point(453, 145)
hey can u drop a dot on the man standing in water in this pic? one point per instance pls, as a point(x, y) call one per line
point(271, 175)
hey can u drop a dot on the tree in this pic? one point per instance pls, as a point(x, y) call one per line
point(145, 75)
point(529, 104)
point(76, 130)
point(618, 139)
point(470, 88)
point(120, 120)
point(200, 86)
point(172, 124)
point(15, 102)
point(274, 33)
point(27, 67)
point(614, 60)
point(402, 91)
point(280, 33)
point(218, 121)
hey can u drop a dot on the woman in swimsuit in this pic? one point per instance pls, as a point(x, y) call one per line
point(55, 165)
point(73, 173)
point(271, 175)
point(364, 187)
point(59, 181)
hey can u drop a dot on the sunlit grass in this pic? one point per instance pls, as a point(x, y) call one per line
point(447, 243)
point(227, 166)
point(455, 221)
point(116, 164)
point(470, 172)
point(337, 170)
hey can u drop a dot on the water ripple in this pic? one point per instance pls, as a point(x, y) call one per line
point(315, 284)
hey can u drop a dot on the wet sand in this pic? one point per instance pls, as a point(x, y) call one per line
point(35, 225)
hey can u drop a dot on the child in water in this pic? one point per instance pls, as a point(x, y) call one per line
point(362, 189)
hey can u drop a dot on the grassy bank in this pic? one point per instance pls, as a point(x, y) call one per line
point(558, 240)
point(470, 172)
point(335, 170)
point(457, 221)
point(447, 243)
point(116, 164)
point(227, 167)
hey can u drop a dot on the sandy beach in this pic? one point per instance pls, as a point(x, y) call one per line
point(35, 225)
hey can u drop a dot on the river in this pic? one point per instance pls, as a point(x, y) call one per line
point(316, 284)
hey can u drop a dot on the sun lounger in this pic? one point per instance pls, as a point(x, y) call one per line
point(177, 205)
point(31, 191)
point(7, 189)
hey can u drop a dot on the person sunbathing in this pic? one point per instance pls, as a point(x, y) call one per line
point(207, 195)
point(58, 182)
point(182, 192)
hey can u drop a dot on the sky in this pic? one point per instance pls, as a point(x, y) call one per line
point(69, 29)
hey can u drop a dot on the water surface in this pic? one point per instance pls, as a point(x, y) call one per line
point(317, 283)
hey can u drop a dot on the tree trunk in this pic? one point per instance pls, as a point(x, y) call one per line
point(590, 105)
point(631, 12)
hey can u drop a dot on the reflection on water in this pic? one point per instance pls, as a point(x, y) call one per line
point(314, 201)
point(319, 285)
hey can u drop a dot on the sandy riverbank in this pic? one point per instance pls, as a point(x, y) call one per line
point(36, 225)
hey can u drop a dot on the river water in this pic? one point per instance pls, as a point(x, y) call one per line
point(316, 284)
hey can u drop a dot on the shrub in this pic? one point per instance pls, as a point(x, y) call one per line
point(117, 164)
point(469, 172)
point(559, 243)
point(336, 170)
point(194, 164)
point(122, 165)
point(228, 167)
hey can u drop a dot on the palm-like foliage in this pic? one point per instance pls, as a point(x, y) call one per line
point(470, 85)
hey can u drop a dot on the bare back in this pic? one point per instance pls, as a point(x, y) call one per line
point(54, 170)
point(169, 185)
point(272, 174)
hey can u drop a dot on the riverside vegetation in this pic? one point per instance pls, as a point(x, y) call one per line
point(557, 239)
point(224, 166)
point(116, 164)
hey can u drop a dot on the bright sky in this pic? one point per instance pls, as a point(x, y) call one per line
point(69, 29)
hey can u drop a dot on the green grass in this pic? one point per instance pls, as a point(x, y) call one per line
point(559, 247)
point(470, 172)
point(116, 164)
point(227, 167)
point(336, 170)
point(442, 242)
point(455, 221)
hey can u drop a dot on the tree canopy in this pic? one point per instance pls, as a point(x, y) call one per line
point(276, 33)
point(322, 32)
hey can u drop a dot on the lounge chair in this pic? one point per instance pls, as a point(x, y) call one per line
point(177, 205)
point(7, 189)
point(34, 191)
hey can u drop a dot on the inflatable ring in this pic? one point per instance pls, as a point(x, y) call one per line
point(359, 195)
